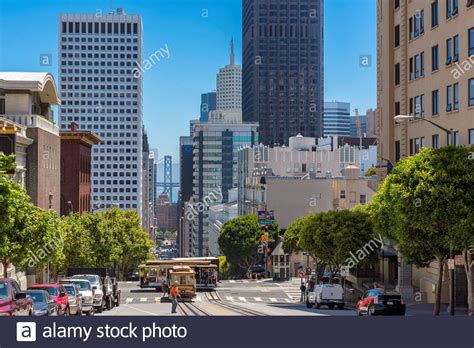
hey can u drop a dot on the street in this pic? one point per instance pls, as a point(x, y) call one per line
point(231, 298)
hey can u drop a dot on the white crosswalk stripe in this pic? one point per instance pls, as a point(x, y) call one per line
point(128, 300)
point(143, 299)
point(198, 299)
point(230, 298)
point(273, 299)
point(231, 281)
point(243, 299)
point(258, 299)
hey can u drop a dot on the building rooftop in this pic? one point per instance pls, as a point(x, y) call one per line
point(41, 82)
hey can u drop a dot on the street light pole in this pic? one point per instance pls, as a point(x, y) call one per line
point(449, 134)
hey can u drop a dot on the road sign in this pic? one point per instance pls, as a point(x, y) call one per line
point(266, 217)
point(344, 271)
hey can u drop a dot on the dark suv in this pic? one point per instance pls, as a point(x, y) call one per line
point(380, 302)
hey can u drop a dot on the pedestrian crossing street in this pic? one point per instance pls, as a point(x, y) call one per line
point(157, 299)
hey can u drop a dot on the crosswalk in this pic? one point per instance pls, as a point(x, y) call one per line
point(129, 300)
point(292, 289)
point(257, 299)
point(245, 281)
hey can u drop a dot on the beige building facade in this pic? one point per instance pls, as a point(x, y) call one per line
point(425, 69)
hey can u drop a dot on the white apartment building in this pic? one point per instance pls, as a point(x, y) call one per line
point(98, 55)
point(229, 85)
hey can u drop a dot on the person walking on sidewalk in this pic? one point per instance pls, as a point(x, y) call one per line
point(174, 294)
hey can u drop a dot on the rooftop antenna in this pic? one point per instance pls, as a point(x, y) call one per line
point(232, 60)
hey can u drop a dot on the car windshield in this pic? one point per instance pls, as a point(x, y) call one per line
point(70, 290)
point(52, 290)
point(36, 296)
point(4, 290)
point(83, 285)
point(93, 279)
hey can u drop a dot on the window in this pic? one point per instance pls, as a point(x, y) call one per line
point(397, 35)
point(363, 199)
point(449, 96)
point(471, 92)
point(417, 66)
point(397, 74)
point(422, 105)
point(397, 4)
point(343, 194)
point(417, 24)
point(449, 52)
point(422, 63)
point(471, 42)
point(434, 14)
point(456, 49)
point(456, 96)
point(411, 69)
point(457, 138)
point(471, 136)
point(435, 141)
point(397, 108)
point(435, 102)
point(451, 8)
point(434, 58)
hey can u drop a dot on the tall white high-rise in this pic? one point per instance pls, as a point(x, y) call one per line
point(97, 57)
point(229, 85)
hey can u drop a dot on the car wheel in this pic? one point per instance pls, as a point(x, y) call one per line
point(340, 306)
point(359, 314)
point(317, 305)
point(331, 306)
point(79, 311)
point(117, 303)
point(371, 311)
point(308, 305)
point(92, 311)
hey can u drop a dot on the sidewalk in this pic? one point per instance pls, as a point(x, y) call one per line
point(418, 309)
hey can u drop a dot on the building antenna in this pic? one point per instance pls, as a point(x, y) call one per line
point(232, 59)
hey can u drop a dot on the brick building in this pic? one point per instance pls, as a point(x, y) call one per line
point(76, 170)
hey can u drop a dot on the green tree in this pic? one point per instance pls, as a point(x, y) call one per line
point(334, 237)
point(292, 235)
point(15, 223)
point(371, 171)
point(425, 206)
point(240, 238)
point(77, 242)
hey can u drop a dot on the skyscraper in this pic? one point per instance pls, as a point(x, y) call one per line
point(282, 85)
point(208, 103)
point(97, 58)
point(229, 85)
point(337, 118)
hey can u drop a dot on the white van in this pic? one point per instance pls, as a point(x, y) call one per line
point(326, 294)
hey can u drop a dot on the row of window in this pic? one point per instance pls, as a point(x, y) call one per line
point(417, 103)
point(116, 182)
point(98, 48)
point(99, 28)
point(96, 71)
point(96, 39)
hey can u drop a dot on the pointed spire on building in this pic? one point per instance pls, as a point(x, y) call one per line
point(232, 59)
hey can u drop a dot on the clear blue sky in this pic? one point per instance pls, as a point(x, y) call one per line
point(197, 33)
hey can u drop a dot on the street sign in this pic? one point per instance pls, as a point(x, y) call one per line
point(266, 217)
point(344, 271)
point(451, 264)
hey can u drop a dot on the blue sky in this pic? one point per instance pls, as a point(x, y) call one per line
point(197, 33)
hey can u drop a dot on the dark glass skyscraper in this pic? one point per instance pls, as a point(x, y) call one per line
point(282, 85)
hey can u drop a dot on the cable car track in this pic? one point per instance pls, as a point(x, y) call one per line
point(214, 298)
point(191, 309)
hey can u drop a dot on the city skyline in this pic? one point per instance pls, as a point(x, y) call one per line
point(163, 82)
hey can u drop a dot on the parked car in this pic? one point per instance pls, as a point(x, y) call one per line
point(13, 301)
point(380, 302)
point(132, 276)
point(58, 293)
point(84, 288)
point(43, 304)
point(330, 295)
point(104, 283)
point(75, 299)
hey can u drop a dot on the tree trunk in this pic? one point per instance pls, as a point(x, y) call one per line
point(439, 286)
point(468, 268)
point(5, 264)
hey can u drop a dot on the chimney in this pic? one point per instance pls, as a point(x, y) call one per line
point(74, 127)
